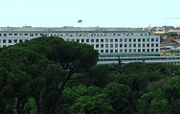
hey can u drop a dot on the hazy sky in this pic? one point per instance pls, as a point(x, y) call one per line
point(103, 13)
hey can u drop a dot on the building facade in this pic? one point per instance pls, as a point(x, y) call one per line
point(105, 40)
point(109, 42)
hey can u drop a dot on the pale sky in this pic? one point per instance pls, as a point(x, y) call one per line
point(102, 13)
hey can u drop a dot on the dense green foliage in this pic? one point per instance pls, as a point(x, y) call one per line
point(170, 34)
point(50, 76)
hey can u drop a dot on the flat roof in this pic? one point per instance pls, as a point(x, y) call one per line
point(69, 28)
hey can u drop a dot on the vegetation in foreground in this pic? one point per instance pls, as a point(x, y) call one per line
point(50, 76)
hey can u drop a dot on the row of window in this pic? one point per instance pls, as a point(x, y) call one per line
point(76, 34)
point(108, 34)
point(123, 45)
point(135, 59)
point(128, 50)
point(12, 41)
point(20, 34)
point(115, 40)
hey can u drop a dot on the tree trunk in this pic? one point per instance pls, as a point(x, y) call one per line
point(60, 92)
point(18, 106)
point(39, 104)
point(58, 103)
point(22, 107)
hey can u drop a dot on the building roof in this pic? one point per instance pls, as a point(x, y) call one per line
point(70, 28)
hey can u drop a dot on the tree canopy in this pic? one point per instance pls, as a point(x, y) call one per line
point(48, 75)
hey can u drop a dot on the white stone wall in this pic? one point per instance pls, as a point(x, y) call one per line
point(111, 42)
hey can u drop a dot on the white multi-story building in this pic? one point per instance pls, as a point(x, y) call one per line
point(127, 43)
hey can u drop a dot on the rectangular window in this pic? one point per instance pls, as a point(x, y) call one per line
point(143, 40)
point(129, 45)
point(106, 51)
point(134, 50)
point(102, 40)
point(125, 45)
point(116, 40)
point(120, 45)
point(15, 40)
point(157, 45)
point(134, 40)
point(106, 40)
point(152, 39)
point(9, 41)
point(4, 41)
point(77, 40)
point(92, 40)
point(4, 34)
point(102, 45)
point(157, 40)
point(134, 45)
point(121, 40)
point(106, 45)
point(111, 51)
point(82, 40)
point(97, 45)
point(152, 45)
point(143, 45)
point(111, 45)
point(139, 40)
point(125, 40)
point(129, 40)
point(111, 40)
point(116, 50)
point(139, 45)
point(31, 35)
point(87, 40)
point(116, 45)
point(97, 40)
point(20, 40)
